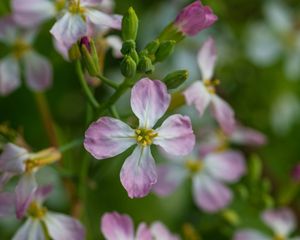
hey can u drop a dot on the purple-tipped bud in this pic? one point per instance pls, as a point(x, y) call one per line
point(296, 173)
point(86, 42)
point(195, 18)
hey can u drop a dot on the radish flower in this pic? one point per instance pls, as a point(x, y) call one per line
point(109, 137)
point(203, 93)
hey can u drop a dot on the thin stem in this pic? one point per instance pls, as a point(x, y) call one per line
point(114, 112)
point(108, 81)
point(47, 119)
point(70, 145)
point(88, 93)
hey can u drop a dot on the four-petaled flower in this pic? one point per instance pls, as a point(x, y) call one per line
point(202, 93)
point(282, 222)
point(38, 70)
point(208, 173)
point(109, 137)
point(115, 226)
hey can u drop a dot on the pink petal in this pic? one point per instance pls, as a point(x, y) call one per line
point(143, 232)
point(7, 206)
point(8, 30)
point(248, 136)
point(115, 226)
point(248, 234)
point(9, 75)
point(25, 193)
point(12, 159)
point(4, 178)
point(223, 114)
point(30, 13)
point(197, 95)
point(38, 71)
point(210, 194)
point(69, 29)
point(195, 18)
point(42, 193)
point(31, 229)
point(138, 173)
point(115, 43)
point(90, 3)
point(226, 166)
point(149, 101)
point(207, 58)
point(61, 49)
point(101, 19)
point(282, 221)
point(108, 137)
point(62, 227)
point(176, 135)
point(170, 176)
point(159, 231)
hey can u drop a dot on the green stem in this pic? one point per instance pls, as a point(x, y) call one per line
point(47, 119)
point(114, 112)
point(88, 93)
point(70, 145)
point(108, 81)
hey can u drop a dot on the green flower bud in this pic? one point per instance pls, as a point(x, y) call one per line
point(128, 67)
point(145, 65)
point(134, 55)
point(165, 49)
point(152, 47)
point(74, 52)
point(89, 56)
point(255, 169)
point(175, 79)
point(128, 46)
point(130, 25)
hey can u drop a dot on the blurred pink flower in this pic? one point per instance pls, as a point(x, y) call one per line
point(115, 226)
point(281, 221)
point(202, 93)
point(109, 137)
point(82, 18)
point(195, 18)
point(209, 175)
point(37, 69)
point(59, 226)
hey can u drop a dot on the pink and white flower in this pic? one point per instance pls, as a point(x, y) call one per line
point(195, 18)
point(37, 69)
point(82, 18)
point(59, 226)
point(115, 226)
point(209, 175)
point(281, 221)
point(201, 94)
point(15, 160)
point(109, 137)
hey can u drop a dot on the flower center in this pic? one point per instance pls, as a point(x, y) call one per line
point(211, 85)
point(278, 237)
point(36, 211)
point(145, 136)
point(74, 7)
point(194, 166)
point(60, 5)
point(20, 47)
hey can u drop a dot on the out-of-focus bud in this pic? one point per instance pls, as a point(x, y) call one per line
point(128, 67)
point(127, 46)
point(175, 79)
point(74, 52)
point(145, 65)
point(268, 201)
point(165, 49)
point(153, 46)
point(255, 168)
point(130, 24)
point(89, 56)
point(296, 173)
point(231, 216)
point(189, 232)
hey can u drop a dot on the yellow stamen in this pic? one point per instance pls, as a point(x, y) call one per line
point(36, 211)
point(145, 136)
point(211, 85)
point(194, 166)
point(278, 237)
point(20, 48)
point(74, 7)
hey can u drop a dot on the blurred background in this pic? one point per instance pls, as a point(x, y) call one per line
point(259, 67)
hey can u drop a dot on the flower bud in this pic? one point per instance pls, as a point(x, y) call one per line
point(74, 52)
point(152, 47)
point(128, 46)
point(165, 49)
point(255, 169)
point(134, 55)
point(145, 65)
point(89, 56)
point(128, 67)
point(130, 25)
point(175, 79)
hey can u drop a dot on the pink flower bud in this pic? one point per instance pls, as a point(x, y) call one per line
point(195, 18)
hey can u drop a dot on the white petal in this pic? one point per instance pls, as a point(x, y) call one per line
point(31, 229)
point(207, 58)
